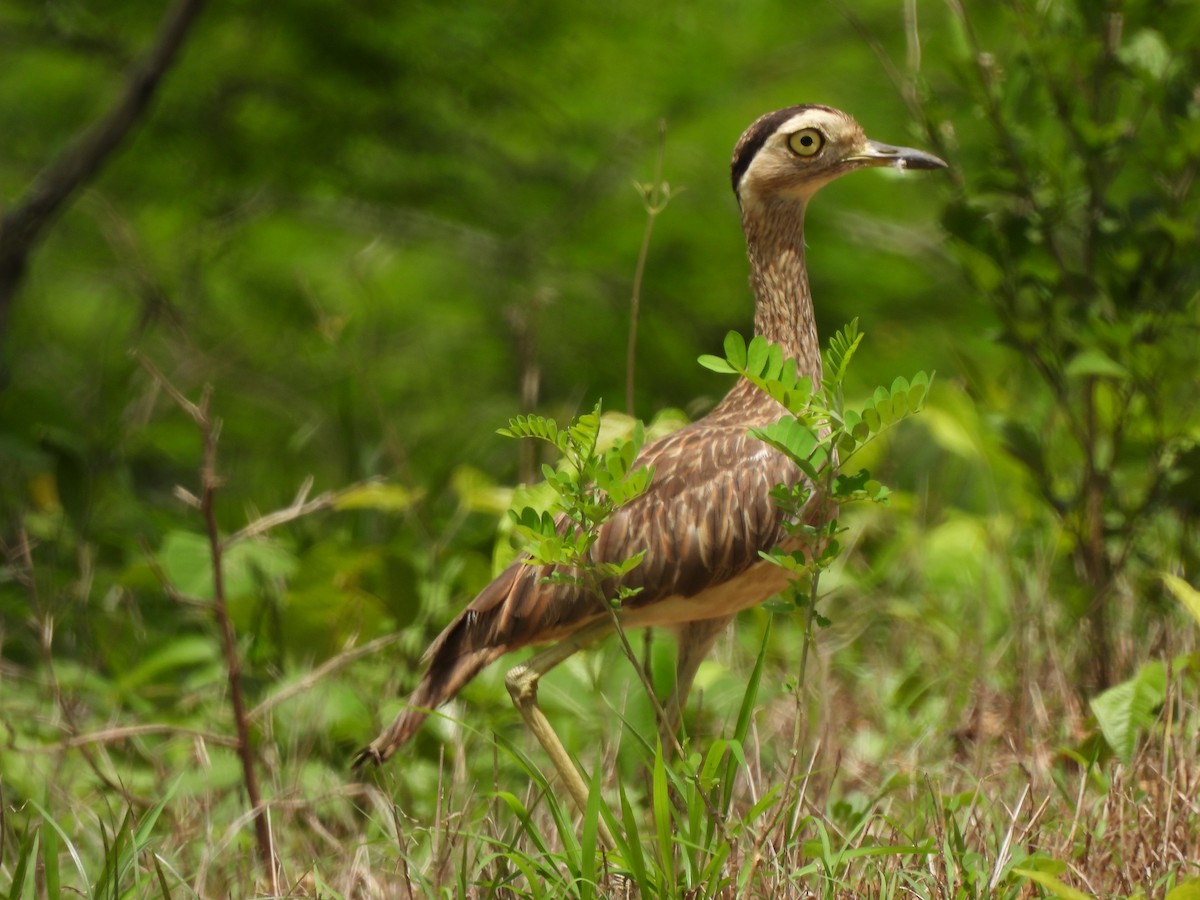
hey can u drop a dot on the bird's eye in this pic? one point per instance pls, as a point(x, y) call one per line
point(806, 142)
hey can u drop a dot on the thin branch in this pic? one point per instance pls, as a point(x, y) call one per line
point(22, 227)
point(328, 667)
point(655, 197)
point(299, 508)
point(112, 735)
point(175, 394)
point(210, 429)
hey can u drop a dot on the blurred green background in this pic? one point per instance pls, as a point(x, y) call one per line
point(366, 225)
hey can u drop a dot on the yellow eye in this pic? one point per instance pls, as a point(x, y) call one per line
point(806, 142)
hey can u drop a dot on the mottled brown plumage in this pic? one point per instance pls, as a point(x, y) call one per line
point(708, 512)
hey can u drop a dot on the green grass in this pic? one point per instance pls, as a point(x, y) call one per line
point(962, 782)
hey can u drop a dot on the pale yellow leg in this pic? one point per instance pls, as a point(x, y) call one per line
point(522, 682)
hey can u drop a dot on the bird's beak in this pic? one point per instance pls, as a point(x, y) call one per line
point(877, 154)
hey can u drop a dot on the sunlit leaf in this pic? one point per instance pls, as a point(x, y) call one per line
point(1097, 363)
point(1187, 890)
point(1129, 708)
point(377, 495)
point(735, 350)
point(1184, 593)
point(716, 364)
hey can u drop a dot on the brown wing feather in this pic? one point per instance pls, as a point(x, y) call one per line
point(703, 520)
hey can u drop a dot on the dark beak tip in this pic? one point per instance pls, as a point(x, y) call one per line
point(925, 161)
point(903, 157)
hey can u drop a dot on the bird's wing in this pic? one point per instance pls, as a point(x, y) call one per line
point(702, 522)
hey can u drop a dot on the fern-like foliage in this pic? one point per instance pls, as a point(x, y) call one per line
point(820, 432)
point(588, 487)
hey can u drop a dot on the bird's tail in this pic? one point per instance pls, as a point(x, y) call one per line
point(451, 665)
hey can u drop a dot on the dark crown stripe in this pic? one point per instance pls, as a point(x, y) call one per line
point(756, 135)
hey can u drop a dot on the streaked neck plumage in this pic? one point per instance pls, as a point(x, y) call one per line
point(783, 308)
point(783, 312)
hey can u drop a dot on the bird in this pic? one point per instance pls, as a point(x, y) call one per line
point(708, 510)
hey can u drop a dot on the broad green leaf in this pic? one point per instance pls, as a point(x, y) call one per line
point(756, 355)
point(917, 389)
point(477, 492)
point(1095, 362)
point(716, 364)
point(735, 350)
point(1188, 890)
point(789, 436)
point(1184, 593)
point(871, 418)
point(887, 413)
point(186, 559)
point(183, 652)
point(1126, 709)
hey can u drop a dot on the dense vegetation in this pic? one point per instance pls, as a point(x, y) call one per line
point(344, 245)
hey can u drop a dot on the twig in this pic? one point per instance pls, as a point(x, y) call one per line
point(655, 197)
point(329, 666)
point(111, 735)
point(23, 225)
point(174, 393)
point(210, 482)
point(210, 428)
point(299, 508)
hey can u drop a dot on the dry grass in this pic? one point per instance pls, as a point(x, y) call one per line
point(958, 812)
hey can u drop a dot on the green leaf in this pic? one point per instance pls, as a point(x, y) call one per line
point(1128, 708)
point(735, 351)
point(382, 497)
point(790, 436)
point(716, 364)
point(662, 819)
point(918, 389)
point(1053, 885)
point(1187, 890)
point(634, 857)
point(712, 759)
point(186, 559)
point(178, 654)
point(1147, 52)
point(26, 862)
point(1184, 593)
point(757, 356)
point(841, 349)
point(1096, 363)
point(873, 421)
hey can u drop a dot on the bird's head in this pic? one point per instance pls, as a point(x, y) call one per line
point(790, 153)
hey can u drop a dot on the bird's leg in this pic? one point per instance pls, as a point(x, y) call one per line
point(695, 640)
point(522, 682)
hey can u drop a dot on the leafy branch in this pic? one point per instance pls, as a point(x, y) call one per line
point(588, 488)
point(819, 433)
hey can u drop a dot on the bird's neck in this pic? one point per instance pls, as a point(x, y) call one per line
point(783, 305)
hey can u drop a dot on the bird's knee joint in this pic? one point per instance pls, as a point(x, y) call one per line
point(521, 682)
